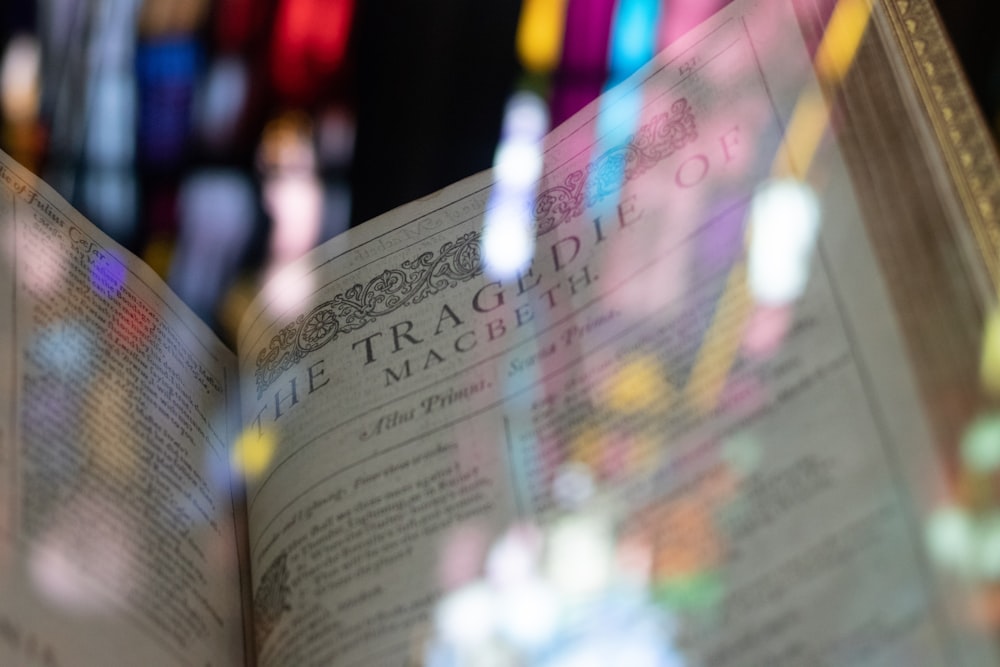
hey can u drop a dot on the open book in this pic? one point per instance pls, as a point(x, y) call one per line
point(748, 337)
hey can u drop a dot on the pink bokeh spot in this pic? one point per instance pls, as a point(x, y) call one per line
point(463, 552)
point(766, 330)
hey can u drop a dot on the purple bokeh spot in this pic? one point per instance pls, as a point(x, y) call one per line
point(722, 242)
point(107, 275)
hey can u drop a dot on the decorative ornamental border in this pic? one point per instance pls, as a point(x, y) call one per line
point(456, 261)
point(460, 260)
point(663, 136)
point(955, 118)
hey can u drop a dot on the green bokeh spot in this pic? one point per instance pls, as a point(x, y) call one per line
point(981, 444)
point(951, 539)
point(697, 592)
point(742, 452)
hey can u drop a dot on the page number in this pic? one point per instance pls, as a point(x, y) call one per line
point(688, 66)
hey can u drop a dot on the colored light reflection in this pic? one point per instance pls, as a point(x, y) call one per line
point(637, 386)
point(803, 136)
point(45, 278)
point(631, 44)
point(83, 571)
point(573, 485)
point(680, 17)
point(111, 130)
point(518, 163)
point(467, 617)
point(528, 613)
point(508, 241)
point(540, 34)
point(587, 447)
point(580, 556)
point(576, 597)
point(217, 210)
point(834, 57)
point(171, 17)
point(511, 559)
point(766, 329)
point(107, 275)
point(696, 592)
point(296, 204)
point(65, 349)
point(742, 453)
point(59, 577)
point(508, 226)
point(292, 192)
point(462, 555)
point(981, 444)
point(285, 291)
point(721, 345)
point(633, 36)
point(166, 72)
point(293, 197)
point(989, 364)
point(310, 43)
point(842, 38)
point(221, 100)
point(253, 452)
point(784, 223)
point(19, 77)
point(965, 543)
point(111, 197)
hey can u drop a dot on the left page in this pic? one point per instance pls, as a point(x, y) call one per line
point(117, 541)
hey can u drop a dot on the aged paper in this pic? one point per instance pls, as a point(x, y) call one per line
point(412, 399)
point(117, 543)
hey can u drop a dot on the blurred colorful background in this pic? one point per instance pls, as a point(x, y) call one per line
point(220, 139)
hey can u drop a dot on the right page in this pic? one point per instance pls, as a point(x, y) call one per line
point(686, 430)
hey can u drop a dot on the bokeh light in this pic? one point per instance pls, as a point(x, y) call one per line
point(951, 538)
point(981, 444)
point(842, 38)
point(989, 359)
point(766, 330)
point(540, 33)
point(573, 485)
point(253, 452)
point(221, 100)
point(508, 241)
point(784, 224)
point(508, 225)
point(66, 350)
point(638, 385)
point(580, 556)
point(633, 36)
point(467, 616)
point(511, 560)
point(107, 274)
point(19, 79)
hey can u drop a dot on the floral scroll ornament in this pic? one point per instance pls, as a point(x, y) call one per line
point(663, 136)
point(429, 273)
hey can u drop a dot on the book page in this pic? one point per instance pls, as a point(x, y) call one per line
point(117, 541)
point(686, 429)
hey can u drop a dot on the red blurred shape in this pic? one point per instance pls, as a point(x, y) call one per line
point(310, 43)
point(237, 22)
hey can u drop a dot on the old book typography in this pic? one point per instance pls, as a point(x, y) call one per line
point(703, 421)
